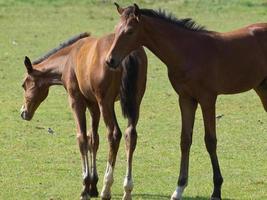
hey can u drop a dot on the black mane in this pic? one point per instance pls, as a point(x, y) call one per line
point(186, 23)
point(61, 46)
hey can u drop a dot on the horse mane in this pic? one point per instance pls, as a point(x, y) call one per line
point(61, 46)
point(186, 23)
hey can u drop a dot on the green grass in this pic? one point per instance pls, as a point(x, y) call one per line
point(37, 165)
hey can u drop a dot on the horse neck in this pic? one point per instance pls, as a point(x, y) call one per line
point(167, 41)
point(52, 69)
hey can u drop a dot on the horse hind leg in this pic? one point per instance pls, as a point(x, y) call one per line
point(131, 140)
point(261, 90)
point(133, 87)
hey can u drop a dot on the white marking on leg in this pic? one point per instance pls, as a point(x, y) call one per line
point(128, 188)
point(107, 183)
point(177, 194)
point(85, 167)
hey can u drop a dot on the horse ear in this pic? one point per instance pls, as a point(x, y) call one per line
point(119, 9)
point(28, 65)
point(136, 11)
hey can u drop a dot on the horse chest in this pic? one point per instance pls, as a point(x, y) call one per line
point(183, 82)
point(181, 85)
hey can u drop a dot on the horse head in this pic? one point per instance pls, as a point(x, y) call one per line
point(35, 90)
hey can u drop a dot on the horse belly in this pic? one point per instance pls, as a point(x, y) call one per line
point(87, 90)
point(85, 82)
point(243, 66)
point(240, 82)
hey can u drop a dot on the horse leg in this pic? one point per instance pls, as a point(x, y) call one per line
point(93, 138)
point(208, 112)
point(261, 90)
point(133, 92)
point(131, 139)
point(79, 108)
point(188, 108)
point(114, 137)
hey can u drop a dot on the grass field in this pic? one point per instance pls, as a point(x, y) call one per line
point(38, 165)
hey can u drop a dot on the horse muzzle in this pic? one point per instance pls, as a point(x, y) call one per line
point(111, 63)
point(24, 114)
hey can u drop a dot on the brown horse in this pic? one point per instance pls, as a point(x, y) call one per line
point(201, 65)
point(79, 65)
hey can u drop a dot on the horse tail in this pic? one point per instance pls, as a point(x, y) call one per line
point(128, 89)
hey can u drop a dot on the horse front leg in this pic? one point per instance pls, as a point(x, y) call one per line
point(94, 144)
point(188, 108)
point(114, 137)
point(208, 111)
point(79, 108)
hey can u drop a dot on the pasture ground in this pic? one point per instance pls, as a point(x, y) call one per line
point(37, 165)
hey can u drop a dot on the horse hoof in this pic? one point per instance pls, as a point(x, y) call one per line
point(85, 196)
point(127, 196)
point(215, 198)
point(105, 198)
point(174, 198)
point(93, 192)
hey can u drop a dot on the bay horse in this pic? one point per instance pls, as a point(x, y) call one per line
point(201, 65)
point(79, 65)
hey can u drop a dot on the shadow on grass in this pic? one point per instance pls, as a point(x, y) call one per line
point(160, 197)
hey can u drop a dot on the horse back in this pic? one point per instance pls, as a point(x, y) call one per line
point(239, 61)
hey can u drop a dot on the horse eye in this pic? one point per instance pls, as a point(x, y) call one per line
point(33, 84)
point(130, 32)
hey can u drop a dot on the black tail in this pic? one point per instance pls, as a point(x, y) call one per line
point(128, 89)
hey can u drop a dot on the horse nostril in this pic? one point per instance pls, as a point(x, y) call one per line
point(23, 114)
point(110, 62)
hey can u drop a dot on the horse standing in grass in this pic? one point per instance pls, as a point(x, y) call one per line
point(79, 65)
point(201, 65)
